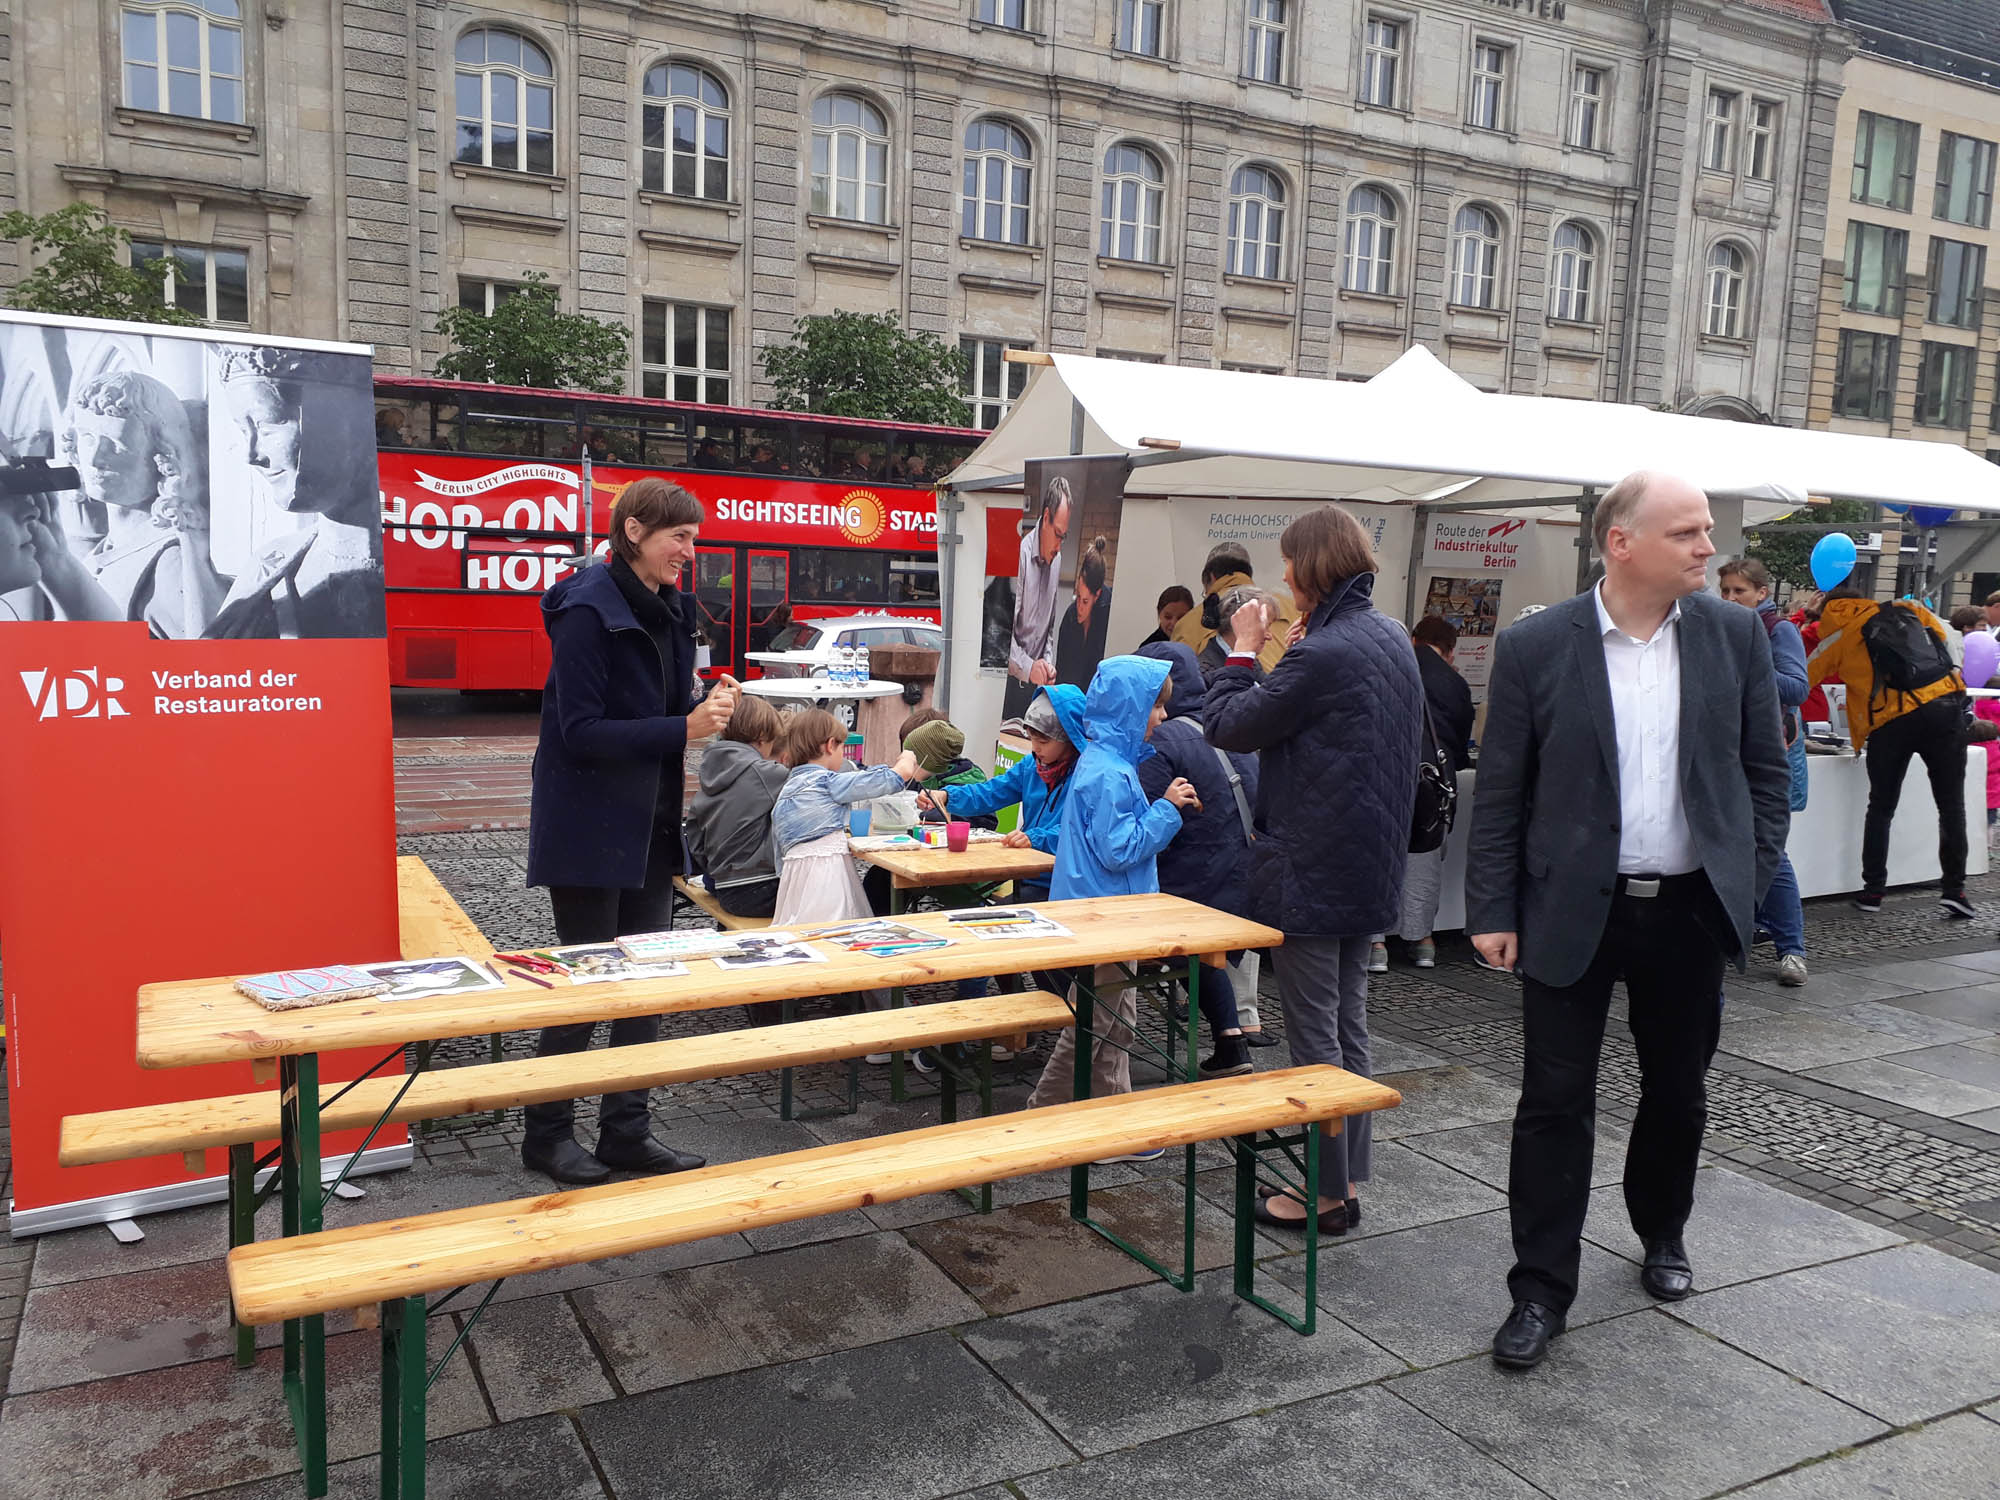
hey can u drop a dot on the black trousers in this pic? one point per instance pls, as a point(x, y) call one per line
point(1936, 732)
point(1669, 950)
point(597, 914)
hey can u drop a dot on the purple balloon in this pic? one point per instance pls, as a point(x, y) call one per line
point(1982, 658)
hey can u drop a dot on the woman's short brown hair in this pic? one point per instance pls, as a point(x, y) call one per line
point(654, 504)
point(805, 735)
point(753, 722)
point(1748, 569)
point(1325, 547)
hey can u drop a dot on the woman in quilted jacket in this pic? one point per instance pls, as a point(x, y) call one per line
point(1337, 723)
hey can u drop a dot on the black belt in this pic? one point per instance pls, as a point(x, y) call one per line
point(1645, 887)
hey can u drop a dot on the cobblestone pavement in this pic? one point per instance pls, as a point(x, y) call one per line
point(1846, 1340)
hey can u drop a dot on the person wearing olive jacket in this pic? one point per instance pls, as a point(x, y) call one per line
point(604, 822)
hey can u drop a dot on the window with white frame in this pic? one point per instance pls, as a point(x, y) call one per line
point(1370, 259)
point(1139, 27)
point(475, 295)
point(1586, 107)
point(992, 386)
point(506, 102)
point(684, 122)
point(1718, 141)
point(1489, 86)
point(1760, 141)
point(184, 57)
point(214, 285)
point(1728, 277)
point(1134, 204)
point(850, 159)
point(1256, 223)
point(1382, 61)
point(1012, 14)
point(1475, 256)
point(684, 352)
point(999, 182)
point(1575, 273)
point(1266, 25)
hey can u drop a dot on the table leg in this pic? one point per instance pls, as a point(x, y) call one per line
point(305, 1338)
point(898, 904)
point(405, 1382)
point(1085, 1021)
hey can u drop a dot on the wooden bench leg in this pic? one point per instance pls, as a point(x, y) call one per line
point(405, 1381)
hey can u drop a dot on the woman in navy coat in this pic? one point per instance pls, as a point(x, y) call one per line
point(604, 822)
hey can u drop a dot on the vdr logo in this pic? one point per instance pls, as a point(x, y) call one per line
point(74, 695)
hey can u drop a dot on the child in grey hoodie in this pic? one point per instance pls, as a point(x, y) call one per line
point(728, 825)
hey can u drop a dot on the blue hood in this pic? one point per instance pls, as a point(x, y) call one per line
point(1190, 692)
point(1120, 702)
point(1067, 701)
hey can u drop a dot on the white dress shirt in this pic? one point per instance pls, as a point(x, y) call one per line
point(1654, 837)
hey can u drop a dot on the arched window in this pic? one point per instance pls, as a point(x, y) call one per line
point(685, 118)
point(1728, 271)
point(1256, 223)
point(1475, 256)
point(999, 182)
point(1575, 272)
point(506, 102)
point(1134, 203)
point(850, 159)
point(1371, 241)
point(184, 57)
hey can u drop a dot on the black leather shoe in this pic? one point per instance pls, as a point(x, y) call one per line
point(565, 1161)
point(1523, 1340)
point(647, 1155)
point(1667, 1274)
point(1260, 1039)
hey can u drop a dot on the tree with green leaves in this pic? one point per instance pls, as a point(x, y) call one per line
point(529, 340)
point(80, 269)
point(1788, 554)
point(849, 364)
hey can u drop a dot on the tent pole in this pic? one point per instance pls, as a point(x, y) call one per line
point(949, 508)
point(1075, 426)
point(1417, 535)
point(1586, 511)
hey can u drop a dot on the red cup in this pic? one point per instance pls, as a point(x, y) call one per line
point(956, 835)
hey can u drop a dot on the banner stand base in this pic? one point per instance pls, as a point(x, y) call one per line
point(188, 1194)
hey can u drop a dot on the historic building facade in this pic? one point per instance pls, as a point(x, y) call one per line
point(1621, 199)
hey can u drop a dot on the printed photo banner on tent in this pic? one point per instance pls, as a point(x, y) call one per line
point(1063, 572)
point(195, 772)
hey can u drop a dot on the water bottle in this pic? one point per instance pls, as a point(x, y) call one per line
point(847, 666)
point(862, 670)
point(836, 666)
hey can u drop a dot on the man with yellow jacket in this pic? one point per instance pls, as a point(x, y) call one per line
point(1228, 567)
point(1904, 698)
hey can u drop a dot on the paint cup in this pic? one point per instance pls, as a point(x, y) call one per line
point(857, 821)
point(956, 835)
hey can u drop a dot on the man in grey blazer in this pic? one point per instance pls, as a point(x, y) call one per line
point(1633, 800)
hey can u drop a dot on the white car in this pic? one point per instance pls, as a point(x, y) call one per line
point(810, 643)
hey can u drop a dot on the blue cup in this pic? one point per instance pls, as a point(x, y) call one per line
point(857, 822)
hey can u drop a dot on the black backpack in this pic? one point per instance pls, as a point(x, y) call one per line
point(1437, 793)
point(1905, 656)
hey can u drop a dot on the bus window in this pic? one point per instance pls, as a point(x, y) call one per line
point(397, 423)
point(715, 602)
point(829, 575)
point(767, 448)
point(770, 596)
point(714, 446)
point(912, 579)
point(857, 458)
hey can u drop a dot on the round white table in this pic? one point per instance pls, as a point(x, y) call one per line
point(789, 694)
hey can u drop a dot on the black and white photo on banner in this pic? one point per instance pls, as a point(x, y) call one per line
point(209, 486)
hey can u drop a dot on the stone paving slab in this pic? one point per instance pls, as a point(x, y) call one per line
point(1886, 1078)
point(183, 1237)
point(1956, 1459)
point(1407, 1190)
point(787, 1305)
point(539, 1459)
point(1358, 1443)
point(1110, 1371)
point(1898, 1020)
point(1442, 1099)
point(1974, 1005)
point(1798, 1042)
point(908, 1420)
point(1483, 1151)
point(1966, 1064)
point(1904, 1334)
point(534, 1358)
point(1640, 1407)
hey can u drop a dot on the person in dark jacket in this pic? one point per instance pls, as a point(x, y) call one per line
point(1209, 859)
point(1080, 636)
point(728, 824)
point(604, 819)
point(1449, 700)
point(1337, 722)
point(1175, 600)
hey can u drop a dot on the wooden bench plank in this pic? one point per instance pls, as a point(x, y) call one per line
point(433, 925)
point(697, 894)
point(200, 1124)
point(279, 1279)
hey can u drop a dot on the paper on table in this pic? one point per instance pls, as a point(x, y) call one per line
point(433, 976)
point(600, 963)
point(764, 952)
point(657, 947)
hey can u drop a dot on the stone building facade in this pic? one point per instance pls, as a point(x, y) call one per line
point(1621, 199)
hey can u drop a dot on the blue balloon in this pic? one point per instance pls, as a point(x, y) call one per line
point(1932, 516)
point(1832, 559)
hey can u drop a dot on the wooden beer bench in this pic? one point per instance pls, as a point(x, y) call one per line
point(692, 891)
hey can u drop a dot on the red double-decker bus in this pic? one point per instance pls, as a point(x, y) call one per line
point(492, 493)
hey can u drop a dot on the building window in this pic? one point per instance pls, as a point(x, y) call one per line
point(1134, 202)
point(1718, 142)
point(506, 102)
point(1370, 261)
point(1489, 86)
point(850, 160)
point(999, 180)
point(214, 285)
point(1957, 273)
point(1475, 256)
point(1760, 141)
point(1964, 181)
point(992, 386)
point(1382, 62)
point(1728, 270)
point(686, 132)
point(1944, 386)
point(483, 296)
point(1885, 161)
point(1876, 256)
point(1256, 223)
point(684, 352)
point(1575, 272)
point(184, 57)
point(1865, 382)
point(1013, 14)
point(1139, 26)
point(1264, 40)
point(1586, 107)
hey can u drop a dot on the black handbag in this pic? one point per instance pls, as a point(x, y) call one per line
point(1437, 794)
